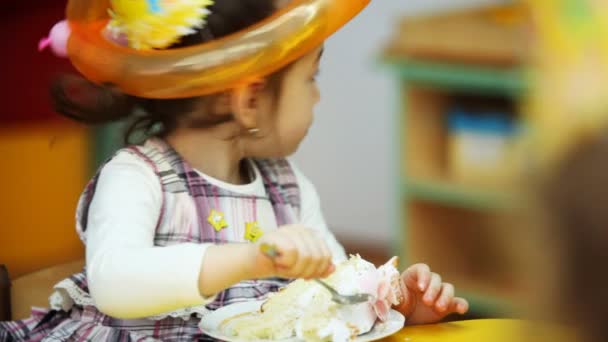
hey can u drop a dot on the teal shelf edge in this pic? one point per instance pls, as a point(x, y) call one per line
point(399, 235)
point(457, 195)
point(492, 305)
point(510, 82)
point(107, 139)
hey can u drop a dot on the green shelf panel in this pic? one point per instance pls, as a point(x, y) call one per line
point(107, 139)
point(509, 82)
point(489, 305)
point(457, 195)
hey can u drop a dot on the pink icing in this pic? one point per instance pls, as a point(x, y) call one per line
point(378, 283)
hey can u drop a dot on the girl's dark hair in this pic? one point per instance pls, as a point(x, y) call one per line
point(81, 100)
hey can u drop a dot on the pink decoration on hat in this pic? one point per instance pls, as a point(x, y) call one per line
point(57, 39)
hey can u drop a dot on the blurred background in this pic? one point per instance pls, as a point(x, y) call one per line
point(415, 96)
point(414, 148)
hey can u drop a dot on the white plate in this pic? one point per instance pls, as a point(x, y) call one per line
point(212, 322)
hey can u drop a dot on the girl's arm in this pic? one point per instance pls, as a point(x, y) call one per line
point(129, 277)
point(302, 254)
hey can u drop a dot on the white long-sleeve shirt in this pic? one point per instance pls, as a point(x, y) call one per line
point(130, 277)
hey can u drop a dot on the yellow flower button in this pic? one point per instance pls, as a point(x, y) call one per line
point(253, 231)
point(217, 220)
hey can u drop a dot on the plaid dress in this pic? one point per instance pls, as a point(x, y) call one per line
point(188, 199)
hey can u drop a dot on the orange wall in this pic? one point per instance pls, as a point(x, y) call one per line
point(45, 166)
point(44, 160)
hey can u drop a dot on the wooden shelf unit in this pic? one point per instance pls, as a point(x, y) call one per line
point(445, 223)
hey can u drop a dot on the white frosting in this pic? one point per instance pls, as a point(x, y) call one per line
point(361, 316)
point(305, 309)
point(307, 297)
point(350, 279)
point(337, 330)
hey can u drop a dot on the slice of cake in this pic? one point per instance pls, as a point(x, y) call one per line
point(305, 309)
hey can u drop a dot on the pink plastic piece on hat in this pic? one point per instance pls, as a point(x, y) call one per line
point(57, 39)
point(44, 43)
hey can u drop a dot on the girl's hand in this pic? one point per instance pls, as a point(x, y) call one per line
point(302, 253)
point(426, 298)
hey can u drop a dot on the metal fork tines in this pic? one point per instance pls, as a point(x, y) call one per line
point(345, 299)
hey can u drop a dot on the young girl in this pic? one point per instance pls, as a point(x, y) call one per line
point(173, 225)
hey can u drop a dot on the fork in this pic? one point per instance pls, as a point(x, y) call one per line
point(272, 252)
point(344, 299)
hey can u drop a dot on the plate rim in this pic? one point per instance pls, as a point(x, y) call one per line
point(258, 303)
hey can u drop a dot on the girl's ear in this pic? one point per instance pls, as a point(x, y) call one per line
point(245, 103)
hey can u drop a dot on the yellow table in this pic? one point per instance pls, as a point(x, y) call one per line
point(492, 330)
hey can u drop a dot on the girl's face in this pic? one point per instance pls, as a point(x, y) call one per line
point(284, 122)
